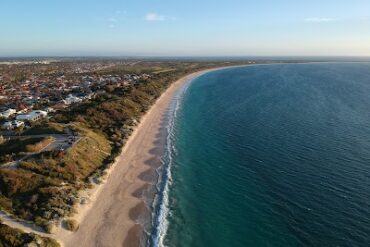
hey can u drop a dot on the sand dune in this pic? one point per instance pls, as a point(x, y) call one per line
point(116, 208)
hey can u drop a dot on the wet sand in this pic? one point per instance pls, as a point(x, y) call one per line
point(117, 211)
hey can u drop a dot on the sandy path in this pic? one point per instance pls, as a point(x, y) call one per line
point(111, 218)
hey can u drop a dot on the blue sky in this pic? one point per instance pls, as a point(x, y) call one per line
point(185, 28)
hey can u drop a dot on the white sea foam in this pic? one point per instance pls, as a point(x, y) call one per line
point(161, 203)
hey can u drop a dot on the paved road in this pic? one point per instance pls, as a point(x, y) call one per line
point(61, 142)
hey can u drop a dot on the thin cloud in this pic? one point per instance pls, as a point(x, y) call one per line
point(154, 17)
point(319, 19)
point(111, 19)
point(111, 26)
point(120, 12)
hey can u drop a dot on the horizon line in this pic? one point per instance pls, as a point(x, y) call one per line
point(185, 56)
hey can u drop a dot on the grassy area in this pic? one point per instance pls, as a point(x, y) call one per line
point(89, 154)
point(164, 71)
point(137, 68)
point(10, 237)
point(45, 129)
point(38, 146)
point(45, 188)
point(10, 149)
point(18, 145)
point(71, 225)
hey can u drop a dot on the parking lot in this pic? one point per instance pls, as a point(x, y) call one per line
point(62, 142)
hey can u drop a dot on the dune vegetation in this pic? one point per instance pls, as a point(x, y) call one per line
point(45, 188)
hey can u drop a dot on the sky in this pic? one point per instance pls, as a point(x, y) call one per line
point(184, 28)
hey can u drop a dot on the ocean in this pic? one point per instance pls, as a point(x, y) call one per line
point(268, 155)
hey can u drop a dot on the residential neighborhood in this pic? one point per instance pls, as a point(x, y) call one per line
point(29, 95)
point(33, 93)
point(64, 123)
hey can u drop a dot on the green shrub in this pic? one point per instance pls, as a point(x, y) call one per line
point(71, 225)
point(39, 145)
point(11, 237)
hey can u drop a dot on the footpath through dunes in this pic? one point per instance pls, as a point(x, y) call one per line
point(115, 215)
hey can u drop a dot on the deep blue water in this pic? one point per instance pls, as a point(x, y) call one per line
point(272, 155)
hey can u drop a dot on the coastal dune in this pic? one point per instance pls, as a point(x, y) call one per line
point(116, 211)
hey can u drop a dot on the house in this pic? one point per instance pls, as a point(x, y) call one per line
point(12, 124)
point(33, 116)
point(7, 125)
point(6, 114)
point(21, 107)
point(72, 99)
point(49, 109)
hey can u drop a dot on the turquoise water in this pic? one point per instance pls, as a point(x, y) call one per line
point(273, 155)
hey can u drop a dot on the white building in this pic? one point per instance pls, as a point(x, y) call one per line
point(33, 116)
point(71, 99)
point(7, 125)
point(49, 110)
point(12, 124)
point(6, 114)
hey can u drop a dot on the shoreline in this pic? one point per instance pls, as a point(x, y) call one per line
point(116, 211)
point(139, 177)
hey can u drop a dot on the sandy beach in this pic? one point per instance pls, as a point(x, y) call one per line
point(116, 208)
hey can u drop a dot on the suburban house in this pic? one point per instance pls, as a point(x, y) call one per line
point(6, 114)
point(49, 109)
point(33, 116)
point(72, 99)
point(12, 124)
